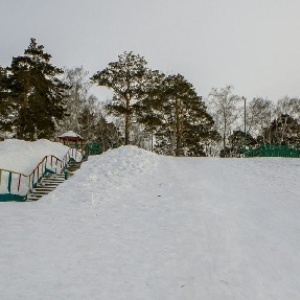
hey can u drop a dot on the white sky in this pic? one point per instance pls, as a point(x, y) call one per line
point(251, 44)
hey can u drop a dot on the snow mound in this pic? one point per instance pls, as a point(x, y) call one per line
point(23, 156)
point(116, 169)
point(134, 225)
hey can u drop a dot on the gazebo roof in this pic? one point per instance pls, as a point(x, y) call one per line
point(71, 136)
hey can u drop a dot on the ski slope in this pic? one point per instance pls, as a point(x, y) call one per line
point(134, 225)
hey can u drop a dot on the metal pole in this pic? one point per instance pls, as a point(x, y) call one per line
point(245, 118)
point(245, 115)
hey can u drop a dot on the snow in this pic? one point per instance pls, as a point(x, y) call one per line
point(22, 156)
point(71, 134)
point(134, 225)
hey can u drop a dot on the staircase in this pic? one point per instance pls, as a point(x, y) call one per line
point(73, 166)
point(47, 184)
point(51, 181)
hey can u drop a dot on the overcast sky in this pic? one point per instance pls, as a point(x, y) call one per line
point(252, 44)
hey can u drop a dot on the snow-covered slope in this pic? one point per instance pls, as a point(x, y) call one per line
point(21, 156)
point(133, 225)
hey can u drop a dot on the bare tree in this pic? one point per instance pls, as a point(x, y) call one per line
point(77, 98)
point(224, 105)
point(288, 106)
point(259, 115)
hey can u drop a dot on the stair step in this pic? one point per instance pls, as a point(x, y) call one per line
point(43, 183)
point(48, 189)
point(53, 181)
point(34, 197)
point(39, 193)
point(49, 183)
point(29, 198)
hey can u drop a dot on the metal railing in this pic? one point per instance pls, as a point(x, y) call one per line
point(18, 185)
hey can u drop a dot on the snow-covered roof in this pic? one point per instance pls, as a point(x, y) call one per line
point(70, 134)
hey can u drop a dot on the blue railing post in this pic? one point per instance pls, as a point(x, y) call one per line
point(9, 182)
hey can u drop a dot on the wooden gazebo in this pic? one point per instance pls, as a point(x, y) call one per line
point(72, 139)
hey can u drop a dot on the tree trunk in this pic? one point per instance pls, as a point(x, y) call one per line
point(178, 130)
point(22, 112)
point(224, 134)
point(127, 121)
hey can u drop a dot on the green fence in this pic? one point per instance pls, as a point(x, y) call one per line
point(272, 151)
point(97, 148)
point(93, 149)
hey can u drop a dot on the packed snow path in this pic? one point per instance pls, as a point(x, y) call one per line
point(133, 225)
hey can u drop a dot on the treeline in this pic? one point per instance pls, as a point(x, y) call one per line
point(39, 100)
point(251, 124)
point(150, 109)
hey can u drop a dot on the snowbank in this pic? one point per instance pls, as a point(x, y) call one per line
point(117, 169)
point(133, 225)
point(22, 156)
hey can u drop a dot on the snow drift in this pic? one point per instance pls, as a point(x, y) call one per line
point(134, 225)
point(22, 156)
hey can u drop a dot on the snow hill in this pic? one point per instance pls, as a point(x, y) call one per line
point(134, 225)
point(21, 156)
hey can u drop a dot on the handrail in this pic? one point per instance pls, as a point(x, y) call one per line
point(14, 172)
point(39, 171)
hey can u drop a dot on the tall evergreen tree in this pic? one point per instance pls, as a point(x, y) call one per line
point(129, 79)
point(178, 117)
point(37, 92)
point(284, 130)
point(6, 105)
point(237, 141)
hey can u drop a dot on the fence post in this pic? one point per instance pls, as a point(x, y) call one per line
point(19, 183)
point(9, 182)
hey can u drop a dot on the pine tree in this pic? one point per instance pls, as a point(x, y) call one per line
point(129, 79)
point(6, 105)
point(237, 141)
point(284, 130)
point(177, 116)
point(37, 93)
